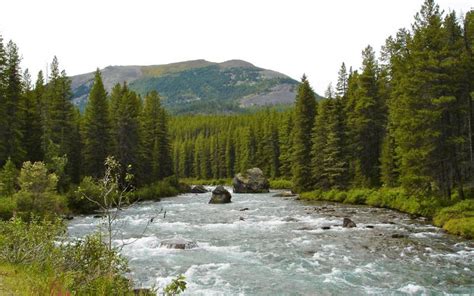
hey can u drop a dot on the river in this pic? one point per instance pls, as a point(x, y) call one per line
point(277, 247)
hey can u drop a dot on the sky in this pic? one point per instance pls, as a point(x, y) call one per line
point(292, 36)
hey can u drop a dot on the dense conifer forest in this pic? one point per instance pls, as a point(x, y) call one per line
point(403, 119)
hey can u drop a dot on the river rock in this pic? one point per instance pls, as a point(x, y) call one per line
point(220, 195)
point(178, 243)
point(198, 189)
point(244, 209)
point(399, 235)
point(348, 223)
point(290, 219)
point(252, 181)
point(305, 228)
point(326, 227)
point(284, 194)
point(143, 292)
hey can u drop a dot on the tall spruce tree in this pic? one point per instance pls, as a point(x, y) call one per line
point(3, 104)
point(421, 107)
point(125, 107)
point(14, 105)
point(32, 129)
point(305, 111)
point(155, 140)
point(96, 129)
point(365, 112)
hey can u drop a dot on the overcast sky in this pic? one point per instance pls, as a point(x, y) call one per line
point(292, 36)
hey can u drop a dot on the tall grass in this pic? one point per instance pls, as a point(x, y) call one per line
point(454, 217)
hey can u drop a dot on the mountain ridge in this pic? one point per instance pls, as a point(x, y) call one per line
point(197, 86)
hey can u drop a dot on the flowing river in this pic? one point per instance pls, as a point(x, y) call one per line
point(278, 247)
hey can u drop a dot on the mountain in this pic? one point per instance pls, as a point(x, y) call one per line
point(197, 86)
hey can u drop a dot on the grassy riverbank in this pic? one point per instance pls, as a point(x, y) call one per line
point(454, 216)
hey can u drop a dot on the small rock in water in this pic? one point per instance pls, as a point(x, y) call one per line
point(220, 195)
point(198, 189)
point(68, 217)
point(178, 243)
point(99, 216)
point(284, 194)
point(241, 219)
point(399, 235)
point(348, 223)
point(305, 228)
point(244, 209)
point(369, 226)
point(142, 291)
point(290, 219)
point(326, 227)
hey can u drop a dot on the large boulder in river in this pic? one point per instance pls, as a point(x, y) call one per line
point(220, 195)
point(252, 181)
point(198, 189)
point(178, 243)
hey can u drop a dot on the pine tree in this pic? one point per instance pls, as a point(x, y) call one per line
point(420, 109)
point(125, 108)
point(365, 112)
point(96, 130)
point(8, 179)
point(286, 145)
point(319, 142)
point(32, 129)
point(3, 103)
point(14, 106)
point(305, 110)
point(342, 82)
point(155, 140)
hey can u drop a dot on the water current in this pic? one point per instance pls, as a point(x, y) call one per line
point(279, 247)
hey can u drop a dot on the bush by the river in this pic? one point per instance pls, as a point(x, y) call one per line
point(37, 259)
point(456, 217)
point(212, 182)
point(280, 184)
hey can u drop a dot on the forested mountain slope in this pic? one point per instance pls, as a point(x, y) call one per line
point(197, 86)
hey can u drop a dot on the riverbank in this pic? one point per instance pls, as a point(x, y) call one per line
point(455, 217)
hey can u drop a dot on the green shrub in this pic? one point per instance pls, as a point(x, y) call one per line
point(29, 242)
point(456, 219)
point(8, 179)
point(155, 191)
point(461, 226)
point(463, 209)
point(213, 182)
point(281, 184)
point(37, 192)
point(76, 198)
point(92, 268)
point(7, 207)
point(357, 196)
point(39, 261)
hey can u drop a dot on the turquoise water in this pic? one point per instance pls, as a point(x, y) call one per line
point(279, 248)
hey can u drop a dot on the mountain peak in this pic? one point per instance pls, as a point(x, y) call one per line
point(236, 64)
